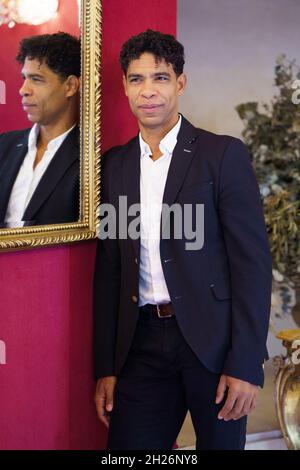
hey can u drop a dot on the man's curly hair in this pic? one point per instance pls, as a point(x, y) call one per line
point(59, 51)
point(162, 46)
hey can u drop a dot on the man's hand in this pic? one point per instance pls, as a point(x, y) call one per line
point(104, 397)
point(241, 397)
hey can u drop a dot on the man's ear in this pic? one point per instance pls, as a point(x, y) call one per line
point(181, 83)
point(125, 85)
point(72, 85)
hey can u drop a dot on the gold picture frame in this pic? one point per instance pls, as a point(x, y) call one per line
point(90, 120)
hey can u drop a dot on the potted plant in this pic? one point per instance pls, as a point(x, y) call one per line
point(272, 135)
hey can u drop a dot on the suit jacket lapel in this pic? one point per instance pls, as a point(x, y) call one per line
point(9, 171)
point(67, 153)
point(131, 182)
point(181, 160)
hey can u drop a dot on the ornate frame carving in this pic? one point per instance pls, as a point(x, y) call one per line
point(90, 119)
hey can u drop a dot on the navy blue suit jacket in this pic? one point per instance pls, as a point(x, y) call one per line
point(56, 198)
point(221, 293)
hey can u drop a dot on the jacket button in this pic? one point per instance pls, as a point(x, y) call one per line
point(134, 299)
point(136, 261)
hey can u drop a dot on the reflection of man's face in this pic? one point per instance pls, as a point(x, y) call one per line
point(43, 93)
point(153, 89)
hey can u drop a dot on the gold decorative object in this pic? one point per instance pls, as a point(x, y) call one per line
point(287, 388)
point(90, 119)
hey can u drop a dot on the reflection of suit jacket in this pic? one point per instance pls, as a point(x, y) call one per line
point(221, 293)
point(56, 198)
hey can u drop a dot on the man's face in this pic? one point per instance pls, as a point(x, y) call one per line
point(153, 89)
point(44, 94)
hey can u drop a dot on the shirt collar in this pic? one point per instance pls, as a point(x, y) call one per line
point(53, 145)
point(166, 145)
point(32, 138)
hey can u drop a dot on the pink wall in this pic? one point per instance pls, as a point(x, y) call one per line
point(46, 386)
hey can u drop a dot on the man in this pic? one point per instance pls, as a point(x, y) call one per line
point(178, 329)
point(39, 167)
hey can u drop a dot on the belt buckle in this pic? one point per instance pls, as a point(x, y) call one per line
point(162, 316)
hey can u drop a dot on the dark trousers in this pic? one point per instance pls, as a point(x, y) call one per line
point(161, 380)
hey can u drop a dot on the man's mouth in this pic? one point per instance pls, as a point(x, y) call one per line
point(28, 106)
point(150, 107)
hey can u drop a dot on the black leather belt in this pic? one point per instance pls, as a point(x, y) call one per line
point(159, 310)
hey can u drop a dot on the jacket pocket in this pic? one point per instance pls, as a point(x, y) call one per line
point(197, 188)
point(221, 289)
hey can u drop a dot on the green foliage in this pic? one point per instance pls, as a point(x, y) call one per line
point(272, 135)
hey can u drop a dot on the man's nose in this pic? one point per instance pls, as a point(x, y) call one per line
point(148, 89)
point(24, 90)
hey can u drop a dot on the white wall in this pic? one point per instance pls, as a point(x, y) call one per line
point(231, 46)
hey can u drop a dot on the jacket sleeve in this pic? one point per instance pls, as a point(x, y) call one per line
point(250, 264)
point(106, 292)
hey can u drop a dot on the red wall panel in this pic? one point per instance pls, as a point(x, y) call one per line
point(46, 386)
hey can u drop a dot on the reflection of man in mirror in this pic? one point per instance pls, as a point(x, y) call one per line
point(39, 167)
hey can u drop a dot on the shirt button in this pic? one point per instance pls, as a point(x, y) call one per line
point(134, 299)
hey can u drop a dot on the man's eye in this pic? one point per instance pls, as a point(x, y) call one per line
point(134, 80)
point(162, 78)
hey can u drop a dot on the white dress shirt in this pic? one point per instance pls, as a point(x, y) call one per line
point(152, 284)
point(28, 177)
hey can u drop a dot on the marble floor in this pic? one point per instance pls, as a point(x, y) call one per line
point(262, 444)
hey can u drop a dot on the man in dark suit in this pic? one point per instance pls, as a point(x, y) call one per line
point(39, 167)
point(178, 327)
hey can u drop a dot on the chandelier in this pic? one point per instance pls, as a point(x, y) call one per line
point(32, 12)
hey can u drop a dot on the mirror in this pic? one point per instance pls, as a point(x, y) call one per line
point(50, 125)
